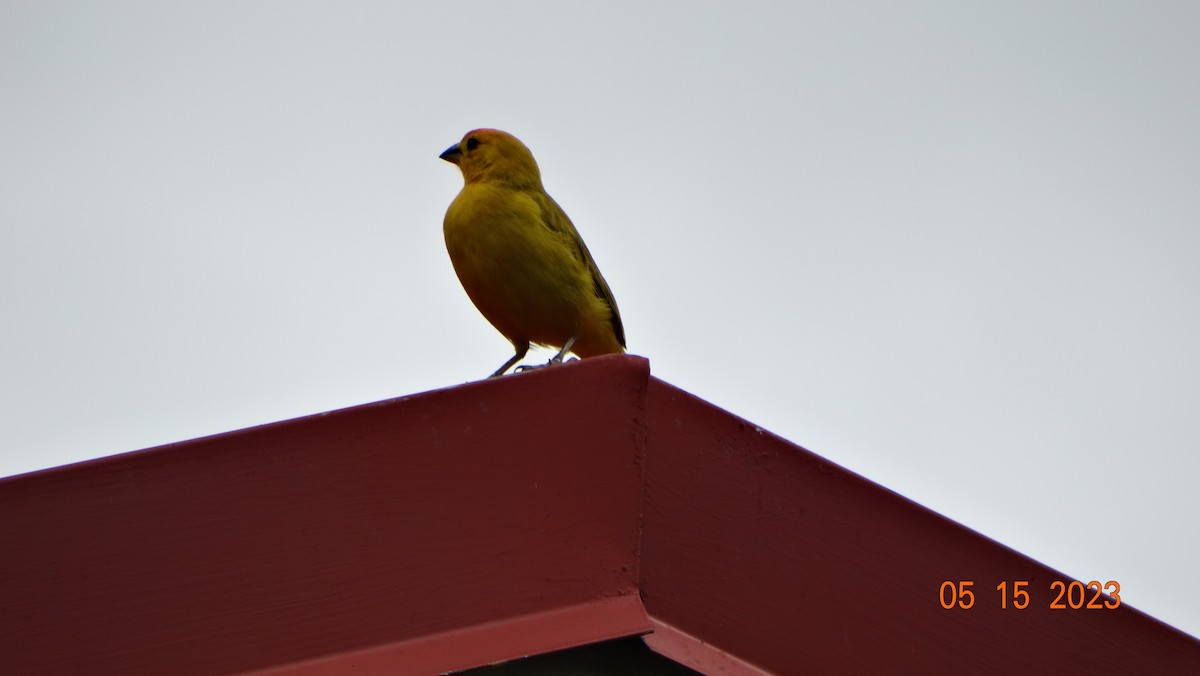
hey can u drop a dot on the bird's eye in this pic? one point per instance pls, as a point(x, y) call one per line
point(472, 144)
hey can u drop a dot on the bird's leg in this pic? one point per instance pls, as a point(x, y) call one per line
point(521, 350)
point(563, 352)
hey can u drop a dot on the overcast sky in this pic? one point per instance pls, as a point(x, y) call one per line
point(950, 246)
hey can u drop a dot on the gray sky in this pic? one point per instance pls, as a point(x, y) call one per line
point(950, 246)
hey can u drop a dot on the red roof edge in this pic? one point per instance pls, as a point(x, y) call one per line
point(760, 555)
point(504, 513)
point(510, 517)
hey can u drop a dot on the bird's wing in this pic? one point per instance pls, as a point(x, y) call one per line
point(554, 218)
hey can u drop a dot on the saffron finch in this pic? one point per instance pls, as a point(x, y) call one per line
point(519, 257)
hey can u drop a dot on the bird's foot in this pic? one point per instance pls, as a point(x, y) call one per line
point(557, 361)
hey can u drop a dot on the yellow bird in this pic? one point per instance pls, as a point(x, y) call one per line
point(519, 257)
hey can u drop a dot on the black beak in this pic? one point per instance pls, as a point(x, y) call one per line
point(452, 154)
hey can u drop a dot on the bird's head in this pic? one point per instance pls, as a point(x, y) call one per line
point(494, 156)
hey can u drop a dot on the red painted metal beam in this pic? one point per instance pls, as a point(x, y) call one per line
point(759, 556)
point(433, 532)
point(509, 517)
